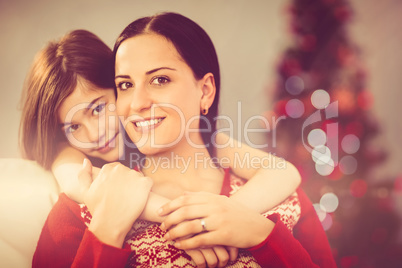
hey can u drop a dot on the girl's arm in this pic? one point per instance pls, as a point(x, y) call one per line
point(270, 179)
point(66, 167)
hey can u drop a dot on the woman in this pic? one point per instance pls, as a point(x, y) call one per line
point(169, 59)
point(56, 97)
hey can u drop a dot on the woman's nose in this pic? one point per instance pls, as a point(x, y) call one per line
point(140, 100)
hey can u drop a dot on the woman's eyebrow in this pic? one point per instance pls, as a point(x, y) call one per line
point(157, 69)
point(122, 76)
point(147, 73)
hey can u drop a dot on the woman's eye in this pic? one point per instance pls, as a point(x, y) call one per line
point(160, 80)
point(72, 128)
point(98, 109)
point(124, 86)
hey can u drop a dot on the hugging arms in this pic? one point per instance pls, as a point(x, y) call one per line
point(155, 67)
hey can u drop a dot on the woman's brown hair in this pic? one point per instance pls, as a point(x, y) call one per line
point(52, 78)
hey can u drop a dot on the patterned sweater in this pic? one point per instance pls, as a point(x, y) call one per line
point(65, 240)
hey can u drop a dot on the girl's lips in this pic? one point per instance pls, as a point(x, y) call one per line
point(106, 148)
point(147, 124)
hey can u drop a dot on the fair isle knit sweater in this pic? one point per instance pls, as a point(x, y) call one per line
point(296, 240)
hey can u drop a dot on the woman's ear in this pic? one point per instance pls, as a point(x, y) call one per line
point(208, 91)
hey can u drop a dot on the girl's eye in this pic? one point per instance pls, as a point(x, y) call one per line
point(72, 128)
point(98, 109)
point(124, 85)
point(160, 80)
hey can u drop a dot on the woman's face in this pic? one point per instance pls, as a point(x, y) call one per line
point(157, 95)
point(88, 118)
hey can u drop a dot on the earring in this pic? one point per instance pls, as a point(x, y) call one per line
point(204, 111)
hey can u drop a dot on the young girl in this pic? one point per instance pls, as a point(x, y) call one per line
point(167, 79)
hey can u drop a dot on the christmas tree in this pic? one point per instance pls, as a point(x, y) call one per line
point(324, 125)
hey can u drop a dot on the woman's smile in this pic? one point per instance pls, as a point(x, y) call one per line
point(147, 124)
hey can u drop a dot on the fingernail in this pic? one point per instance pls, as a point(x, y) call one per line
point(162, 226)
point(167, 236)
point(84, 163)
point(177, 244)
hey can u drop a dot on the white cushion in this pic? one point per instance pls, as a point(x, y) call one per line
point(27, 193)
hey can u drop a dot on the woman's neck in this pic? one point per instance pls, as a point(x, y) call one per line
point(184, 169)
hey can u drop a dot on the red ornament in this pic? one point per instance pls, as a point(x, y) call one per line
point(365, 100)
point(336, 174)
point(342, 13)
point(291, 67)
point(398, 185)
point(346, 100)
point(280, 107)
point(355, 128)
point(358, 188)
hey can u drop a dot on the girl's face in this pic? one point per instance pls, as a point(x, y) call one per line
point(157, 95)
point(89, 120)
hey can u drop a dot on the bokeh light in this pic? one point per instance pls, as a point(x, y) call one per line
point(358, 188)
point(294, 85)
point(294, 108)
point(350, 144)
point(330, 202)
point(320, 99)
point(327, 222)
point(348, 165)
point(365, 100)
point(398, 185)
point(325, 169)
point(321, 154)
point(317, 137)
point(320, 212)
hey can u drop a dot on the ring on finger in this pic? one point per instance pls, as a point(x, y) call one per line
point(203, 225)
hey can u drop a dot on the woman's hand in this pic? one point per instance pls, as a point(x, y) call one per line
point(213, 220)
point(217, 256)
point(115, 199)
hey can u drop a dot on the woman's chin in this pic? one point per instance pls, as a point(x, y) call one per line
point(152, 151)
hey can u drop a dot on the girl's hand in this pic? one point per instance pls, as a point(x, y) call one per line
point(213, 257)
point(115, 199)
point(213, 220)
